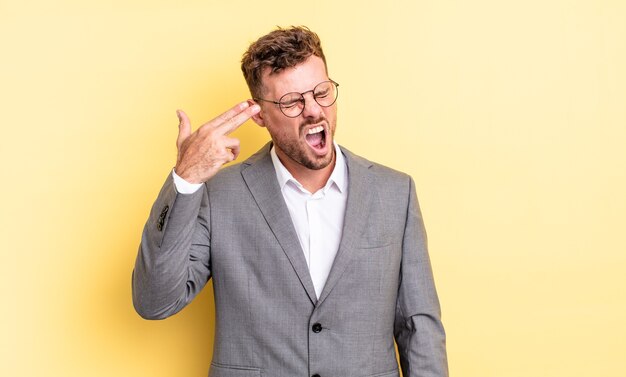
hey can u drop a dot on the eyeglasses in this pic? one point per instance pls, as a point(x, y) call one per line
point(292, 104)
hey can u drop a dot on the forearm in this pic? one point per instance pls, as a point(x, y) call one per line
point(172, 264)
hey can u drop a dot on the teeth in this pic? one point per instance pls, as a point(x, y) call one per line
point(316, 130)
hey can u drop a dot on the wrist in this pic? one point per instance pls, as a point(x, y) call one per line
point(184, 185)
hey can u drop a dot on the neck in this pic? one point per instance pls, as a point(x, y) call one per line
point(311, 179)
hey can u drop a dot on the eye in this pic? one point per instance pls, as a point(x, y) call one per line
point(289, 104)
point(323, 89)
point(290, 100)
point(322, 93)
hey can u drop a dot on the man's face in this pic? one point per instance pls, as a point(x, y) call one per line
point(306, 140)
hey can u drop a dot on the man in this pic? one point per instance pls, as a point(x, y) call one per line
point(318, 256)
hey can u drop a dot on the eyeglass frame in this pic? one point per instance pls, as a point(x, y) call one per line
point(303, 99)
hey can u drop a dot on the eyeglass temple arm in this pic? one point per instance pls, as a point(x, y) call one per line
point(266, 100)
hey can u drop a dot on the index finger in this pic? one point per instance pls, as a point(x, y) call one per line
point(233, 123)
point(227, 115)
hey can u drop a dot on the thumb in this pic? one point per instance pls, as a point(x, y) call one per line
point(184, 128)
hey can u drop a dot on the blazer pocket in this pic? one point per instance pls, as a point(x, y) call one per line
point(220, 370)
point(378, 244)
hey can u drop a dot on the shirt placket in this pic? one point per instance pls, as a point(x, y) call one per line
point(313, 205)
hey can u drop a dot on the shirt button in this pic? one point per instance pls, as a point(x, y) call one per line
point(316, 328)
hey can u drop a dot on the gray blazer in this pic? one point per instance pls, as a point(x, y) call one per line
point(269, 322)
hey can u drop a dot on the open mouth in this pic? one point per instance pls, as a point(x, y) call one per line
point(316, 138)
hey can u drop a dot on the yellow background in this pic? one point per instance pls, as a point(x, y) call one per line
point(510, 115)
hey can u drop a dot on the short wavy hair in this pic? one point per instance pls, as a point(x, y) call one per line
point(280, 49)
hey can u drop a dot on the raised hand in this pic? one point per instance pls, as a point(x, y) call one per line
point(202, 153)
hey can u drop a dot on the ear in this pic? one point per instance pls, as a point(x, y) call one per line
point(258, 117)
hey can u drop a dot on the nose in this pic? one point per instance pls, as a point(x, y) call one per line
point(312, 109)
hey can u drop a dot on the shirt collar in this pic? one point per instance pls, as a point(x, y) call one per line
point(338, 178)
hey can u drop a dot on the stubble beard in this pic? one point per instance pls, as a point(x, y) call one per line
point(297, 150)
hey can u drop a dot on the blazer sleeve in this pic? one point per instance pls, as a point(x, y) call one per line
point(173, 262)
point(418, 329)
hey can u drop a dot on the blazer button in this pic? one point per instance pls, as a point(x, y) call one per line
point(315, 375)
point(316, 328)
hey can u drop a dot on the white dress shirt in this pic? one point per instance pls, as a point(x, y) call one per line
point(317, 217)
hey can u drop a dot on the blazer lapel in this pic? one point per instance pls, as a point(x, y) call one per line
point(260, 177)
point(357, 207)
